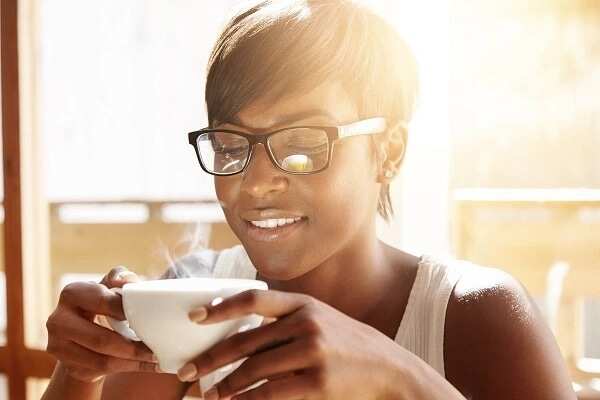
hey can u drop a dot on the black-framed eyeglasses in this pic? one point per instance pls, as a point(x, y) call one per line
point(295, 150)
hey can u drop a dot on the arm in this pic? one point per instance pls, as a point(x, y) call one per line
point(63, 386)
point(415, 379)
point(121, 386)
point(311, 350)
point(143, 386)
point(497, 344)
point(88, 352)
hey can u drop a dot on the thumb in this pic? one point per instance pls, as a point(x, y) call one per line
point(119, 276)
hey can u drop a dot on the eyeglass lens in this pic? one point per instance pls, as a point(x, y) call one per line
point(294, 150)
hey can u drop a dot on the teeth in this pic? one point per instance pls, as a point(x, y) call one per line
point(274, 222)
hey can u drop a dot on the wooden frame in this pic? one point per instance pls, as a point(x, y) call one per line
point(15, 349)
point(16, 360)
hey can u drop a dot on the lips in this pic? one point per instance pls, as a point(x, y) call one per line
point(269, 213)
point(271, 224)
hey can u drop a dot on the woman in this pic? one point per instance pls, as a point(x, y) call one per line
point(307, 104)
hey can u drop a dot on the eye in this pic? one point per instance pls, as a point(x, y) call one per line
point(231, 150)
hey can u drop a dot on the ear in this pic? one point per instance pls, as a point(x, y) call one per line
point(390, 152)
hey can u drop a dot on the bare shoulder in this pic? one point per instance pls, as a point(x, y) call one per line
point(487, 289)
point(497, 345)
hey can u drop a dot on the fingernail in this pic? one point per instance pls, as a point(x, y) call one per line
point(126, 275)
point(212, 394)
point(199, 314)
point(187, 372)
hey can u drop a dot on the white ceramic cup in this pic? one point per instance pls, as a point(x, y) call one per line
point(157, 314)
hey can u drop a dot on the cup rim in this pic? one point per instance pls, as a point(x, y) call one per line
point(195, 283)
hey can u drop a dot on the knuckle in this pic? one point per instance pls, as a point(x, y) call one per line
point(318, 380)
point(316, 348)
point(52, 325)
point(242, 377)
point(250, 298)
point(209, 358)
point(236, 342)
point(311, 325)
point(243, 344)
point(70, 291)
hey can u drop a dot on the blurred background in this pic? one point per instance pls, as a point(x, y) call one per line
point(502, 167)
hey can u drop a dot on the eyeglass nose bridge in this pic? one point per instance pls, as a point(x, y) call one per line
point(260, 139)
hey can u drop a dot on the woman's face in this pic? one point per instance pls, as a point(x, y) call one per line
point(336, 206)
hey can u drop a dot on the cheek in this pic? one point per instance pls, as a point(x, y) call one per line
point(227, 190)
point(349, 189)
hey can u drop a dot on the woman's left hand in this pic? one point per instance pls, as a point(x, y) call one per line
point(311, 351)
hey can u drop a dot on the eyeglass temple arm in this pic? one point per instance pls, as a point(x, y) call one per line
point(366, 126)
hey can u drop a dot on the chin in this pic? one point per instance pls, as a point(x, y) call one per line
point(278, 267)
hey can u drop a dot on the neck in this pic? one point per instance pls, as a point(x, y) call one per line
point(364, 268)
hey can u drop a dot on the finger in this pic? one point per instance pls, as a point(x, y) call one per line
point(239, 346)
point(92, 298)
point(75, 354)
point(103, 340)
point(118, 276)
point(280, 361)
point(290, 388)
point(268, 303)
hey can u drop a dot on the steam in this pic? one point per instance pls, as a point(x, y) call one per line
point(183, 259)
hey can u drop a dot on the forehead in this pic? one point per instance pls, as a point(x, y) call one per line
point(328, 103)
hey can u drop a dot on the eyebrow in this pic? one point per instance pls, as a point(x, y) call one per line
point(294, 117)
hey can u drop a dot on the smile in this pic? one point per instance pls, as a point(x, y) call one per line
point(274, 229)
point(274, 222)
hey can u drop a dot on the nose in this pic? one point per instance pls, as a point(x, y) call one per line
point(261, 178)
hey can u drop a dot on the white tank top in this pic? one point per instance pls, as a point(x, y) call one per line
point(421, 330)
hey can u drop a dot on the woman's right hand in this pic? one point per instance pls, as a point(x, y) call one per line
point(85, 349)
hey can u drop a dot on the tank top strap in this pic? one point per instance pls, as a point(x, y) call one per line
point(421, 330)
